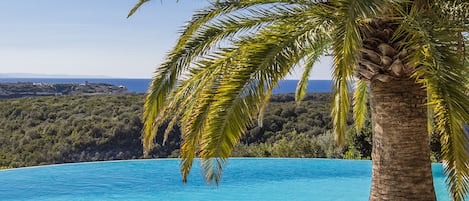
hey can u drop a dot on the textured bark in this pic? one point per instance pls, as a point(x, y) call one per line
point(382, 58)
point(401, 153)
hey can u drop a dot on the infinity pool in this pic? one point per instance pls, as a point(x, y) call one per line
point(244, 179)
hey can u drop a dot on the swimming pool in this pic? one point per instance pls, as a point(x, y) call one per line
point(244, 179)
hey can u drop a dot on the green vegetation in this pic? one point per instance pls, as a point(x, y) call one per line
point(46, 130)
point(292, 130)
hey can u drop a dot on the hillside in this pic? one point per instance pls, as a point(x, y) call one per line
point(77, 128)
point(46, 130)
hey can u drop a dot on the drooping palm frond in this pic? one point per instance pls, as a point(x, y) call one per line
point(221, 29)
point(194, 42)
point(303, 82)
point(442, 71)
point(360, 109)
point(199, 37)
point(449, 102)
point(136, 7)
point(242, 91)
point(347, 42)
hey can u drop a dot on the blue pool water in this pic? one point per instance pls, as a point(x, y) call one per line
point(243, 179)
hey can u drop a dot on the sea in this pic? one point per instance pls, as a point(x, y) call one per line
point(141, 85)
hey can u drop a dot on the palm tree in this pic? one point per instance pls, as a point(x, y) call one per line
point(407, 56)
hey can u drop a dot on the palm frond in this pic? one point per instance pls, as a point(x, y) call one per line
point(198, 39)
point(360, 99)
point(166, 76)
point(136, 7)
point(242, 91)
point(303, 82)
point(347, 41)
point(193, 128)
point(263, 105)
point(192, 100)
point(453, 139)
point(430, 115)
point(440, 68)
point(317, 45)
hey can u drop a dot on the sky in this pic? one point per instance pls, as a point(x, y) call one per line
point(94, 37)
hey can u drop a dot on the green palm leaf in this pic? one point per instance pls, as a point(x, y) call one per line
point(360, 99)
point(443, 72)
point(136, 7)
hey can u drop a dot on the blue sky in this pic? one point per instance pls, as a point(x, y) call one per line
point(94, 37)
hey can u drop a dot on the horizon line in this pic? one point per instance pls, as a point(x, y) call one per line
point(107, 77)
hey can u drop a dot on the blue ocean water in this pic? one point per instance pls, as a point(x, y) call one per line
point(141, 85)
point(250, 179)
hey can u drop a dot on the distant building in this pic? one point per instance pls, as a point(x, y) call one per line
point(84, 84)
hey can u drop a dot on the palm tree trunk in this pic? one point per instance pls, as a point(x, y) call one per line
point(401, 153)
